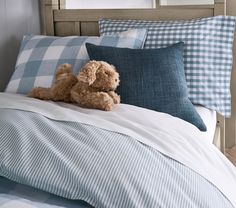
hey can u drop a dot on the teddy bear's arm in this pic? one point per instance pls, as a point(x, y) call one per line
point(98, 100)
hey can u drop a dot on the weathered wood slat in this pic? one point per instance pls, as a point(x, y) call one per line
point(148, 14)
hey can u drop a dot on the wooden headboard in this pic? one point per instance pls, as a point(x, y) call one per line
point(62, 22)
point(59, 21)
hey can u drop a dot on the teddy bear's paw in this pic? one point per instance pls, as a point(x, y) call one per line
point(108, 107)
point(103, 101)
point(115, 97)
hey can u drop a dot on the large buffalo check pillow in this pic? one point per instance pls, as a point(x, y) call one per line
point(40, 56)
point(207, 55)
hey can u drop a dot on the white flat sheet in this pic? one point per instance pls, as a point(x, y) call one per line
point(172, 136)
point(209, 118)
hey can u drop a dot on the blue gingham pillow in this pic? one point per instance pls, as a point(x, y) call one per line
point(39, 56)
point(207, 54)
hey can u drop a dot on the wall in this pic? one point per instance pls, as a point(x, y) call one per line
point(185, 2)
point(88, 4)
point(17, 17)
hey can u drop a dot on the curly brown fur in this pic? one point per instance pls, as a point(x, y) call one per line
point(40, 93)
point(97, 82)
point(60, 89)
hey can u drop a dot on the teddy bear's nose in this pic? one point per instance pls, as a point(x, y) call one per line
point(116, 80)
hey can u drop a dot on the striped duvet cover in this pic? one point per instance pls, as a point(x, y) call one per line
point(15, 195)
point(124, 158)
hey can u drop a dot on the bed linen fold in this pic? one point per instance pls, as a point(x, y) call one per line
point(159, 131)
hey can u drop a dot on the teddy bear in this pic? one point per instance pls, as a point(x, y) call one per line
point(97, 82)
point(60, 89)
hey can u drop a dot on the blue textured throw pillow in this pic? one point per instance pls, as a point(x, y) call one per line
point(40, 56)
point(151, 78)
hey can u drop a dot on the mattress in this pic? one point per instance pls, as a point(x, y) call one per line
point(209, 118)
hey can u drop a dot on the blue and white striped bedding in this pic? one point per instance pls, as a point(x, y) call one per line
point(105, 168)
point(14, 195)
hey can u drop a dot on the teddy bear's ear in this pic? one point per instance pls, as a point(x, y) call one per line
point(88, 73)
point(113, 67)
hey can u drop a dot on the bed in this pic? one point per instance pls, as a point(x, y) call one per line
point(70, 22)
point(41, 170)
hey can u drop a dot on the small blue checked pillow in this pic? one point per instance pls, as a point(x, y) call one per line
point(40, 56)
point(207, 54)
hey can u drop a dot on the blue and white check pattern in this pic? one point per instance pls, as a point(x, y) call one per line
point(40, 56)
point(207, 55)
point(103, 168)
